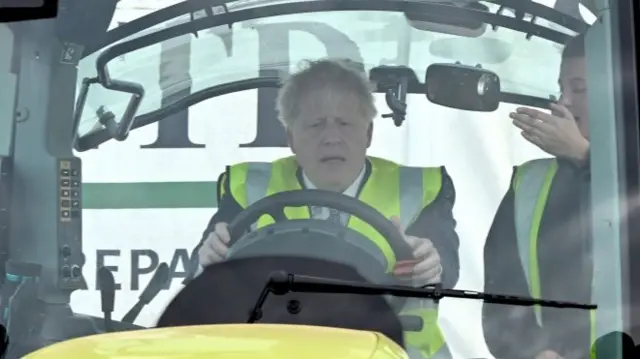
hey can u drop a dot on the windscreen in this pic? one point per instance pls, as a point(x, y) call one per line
point(502, 199)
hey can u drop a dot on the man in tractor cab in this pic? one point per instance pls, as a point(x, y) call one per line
point(327, 110)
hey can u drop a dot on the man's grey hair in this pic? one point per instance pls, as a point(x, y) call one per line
point(327, 74)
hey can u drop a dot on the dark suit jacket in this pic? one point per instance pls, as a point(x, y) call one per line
point(435, 222)
point(564, 257)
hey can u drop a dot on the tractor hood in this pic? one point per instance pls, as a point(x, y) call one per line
point(237, 341)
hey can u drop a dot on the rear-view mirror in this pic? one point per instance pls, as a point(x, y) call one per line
point(462, 87)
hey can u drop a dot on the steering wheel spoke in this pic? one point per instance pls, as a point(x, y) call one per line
point(277, 213)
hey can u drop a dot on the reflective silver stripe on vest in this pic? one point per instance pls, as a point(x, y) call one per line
point(411, 194)
point(532, 179)
point(411, 199)
point(257, 183)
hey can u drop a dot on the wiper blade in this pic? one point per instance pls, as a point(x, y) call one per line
point(283, 282)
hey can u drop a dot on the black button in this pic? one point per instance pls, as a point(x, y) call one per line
point(66, 272)
point(75, 183)
point(64, 173)
point(76, 272)
point(74, 173)
point(75, 194)
point(75, 204)
point(65, 203)
point(64, 193)
point(66, 251)
point(75, 214)
point(65, 214)
point(64, 183)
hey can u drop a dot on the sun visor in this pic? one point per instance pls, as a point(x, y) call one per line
point(449, 25)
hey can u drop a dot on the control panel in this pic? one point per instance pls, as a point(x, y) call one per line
point(70, 256)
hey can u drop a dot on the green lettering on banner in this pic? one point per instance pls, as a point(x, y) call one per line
point(149, 195)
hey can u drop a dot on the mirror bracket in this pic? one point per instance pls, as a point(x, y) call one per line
point(396, 100)
point(394, 82)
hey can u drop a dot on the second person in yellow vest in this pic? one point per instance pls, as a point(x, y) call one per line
point(327, 110)
point(540, 243)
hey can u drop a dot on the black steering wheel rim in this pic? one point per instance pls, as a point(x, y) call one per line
point(274, 205)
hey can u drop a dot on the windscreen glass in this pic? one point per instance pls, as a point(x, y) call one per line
point(505, 199)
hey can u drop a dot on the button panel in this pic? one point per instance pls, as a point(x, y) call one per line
point(70, 183)
point(70, 257)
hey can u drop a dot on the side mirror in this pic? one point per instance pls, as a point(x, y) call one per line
point(463, 87)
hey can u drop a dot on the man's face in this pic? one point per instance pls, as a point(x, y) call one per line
point(330, 138)
point(573, 85)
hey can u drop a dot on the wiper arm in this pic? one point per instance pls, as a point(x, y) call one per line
point(282, 282)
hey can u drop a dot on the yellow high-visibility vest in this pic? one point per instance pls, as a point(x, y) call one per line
point(392, 189)
point(531, 185)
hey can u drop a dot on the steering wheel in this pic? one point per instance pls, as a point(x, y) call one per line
point(317, 238)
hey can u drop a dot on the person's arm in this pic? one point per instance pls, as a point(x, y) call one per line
point(436, 223)
point(228, 208)
point(509, 331)
point(582, 165)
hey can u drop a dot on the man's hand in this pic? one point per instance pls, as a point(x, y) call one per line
point(556, 133)
point(548, 354)
point(427, 268)
point(215, 247)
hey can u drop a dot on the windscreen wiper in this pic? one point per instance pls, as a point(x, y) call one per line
point(283, 282)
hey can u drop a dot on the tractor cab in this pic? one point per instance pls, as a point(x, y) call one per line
point(117, 119)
